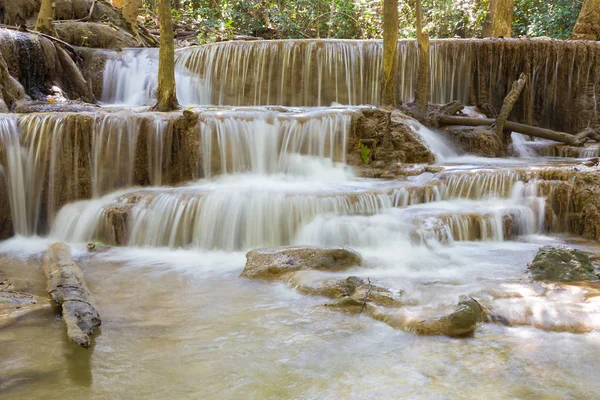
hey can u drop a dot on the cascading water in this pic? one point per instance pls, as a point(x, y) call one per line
point(266, 142)
point(132, 79)
point(186, 193)
point(265, 73)
point(12, 171)
point(322, 72)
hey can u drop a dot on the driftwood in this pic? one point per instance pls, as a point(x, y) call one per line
point(509, 102)
point(572, 140)
point(68, 290)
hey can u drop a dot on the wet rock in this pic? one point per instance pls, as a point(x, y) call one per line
point(38, 68)
point(463, 321)
point(349, 291)
point(15, 304)
point(475, 140)
point(407, 143)
point(26, 107)
point(560, 264)
point(279, 262)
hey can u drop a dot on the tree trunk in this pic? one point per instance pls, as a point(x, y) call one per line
point(423, 72)
point(166, 94)
point(45, 18)
point(489, 19)
point(390, 48)
point(588, 23)
point(216, 7)
point(502, 22)
point(130, 10)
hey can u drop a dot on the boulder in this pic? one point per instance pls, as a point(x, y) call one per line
point(561, 264)
point(475, 140)
point(279, 263)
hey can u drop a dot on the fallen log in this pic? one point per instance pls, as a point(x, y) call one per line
point(535, 131)
point(68, 290)
point(509, 102)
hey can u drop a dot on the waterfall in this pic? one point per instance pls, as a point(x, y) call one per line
point(264, 142)
point(244, 211)
point(322, 72)
point(266, 73)
point(11, 170)
point(131, 79)
point(438, 145)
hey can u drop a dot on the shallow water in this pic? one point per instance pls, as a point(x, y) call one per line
point(181, 324)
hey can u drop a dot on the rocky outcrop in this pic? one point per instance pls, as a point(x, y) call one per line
point(95, 35)
point(69, 291)
point(280, 262)
point(39, 69)
point(381, 141)
point(560, 264)
point(573, 200)
point(475, 140)
point(84, 12)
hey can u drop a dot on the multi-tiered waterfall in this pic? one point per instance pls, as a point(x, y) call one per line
point(260, 157)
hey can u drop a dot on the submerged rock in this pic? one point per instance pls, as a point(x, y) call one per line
point(15, 304)
point(350, 292)
point(465, 318)
point(561, 264)
point(278, 262)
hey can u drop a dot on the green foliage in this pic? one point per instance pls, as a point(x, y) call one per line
point(362, 19)
point(554, 19)
point(365, 153)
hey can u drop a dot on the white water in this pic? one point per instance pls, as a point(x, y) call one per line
point(264, 73)
point(438, 145)
point(12, 172)
point(131, 78)
point(179, 322)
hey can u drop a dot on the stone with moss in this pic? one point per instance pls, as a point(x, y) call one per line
point(279, 263)
point(561, 264)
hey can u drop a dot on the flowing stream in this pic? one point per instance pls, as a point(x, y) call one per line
point(179, 322)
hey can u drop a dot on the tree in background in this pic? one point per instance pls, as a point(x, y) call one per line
point(45, 18)
point(555, 19)
point(363, 19)
point(131, 11)
point(166, 94)
point(588, 23)
point(486, 30)
point(390, 48)
point(502, 18)
point(422, 97)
